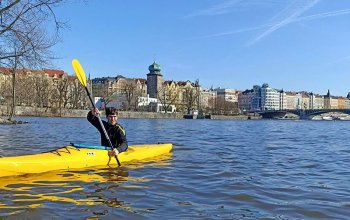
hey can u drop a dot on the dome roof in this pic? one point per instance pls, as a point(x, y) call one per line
point(155, 67)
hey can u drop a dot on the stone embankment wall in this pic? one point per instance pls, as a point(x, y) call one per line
point(42, 112)
point(55, 112)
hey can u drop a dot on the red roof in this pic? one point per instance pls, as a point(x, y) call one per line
point(21, 71)
point(52, 73)
point(72, 78)
point(182, 83)
point(5, 70)
point(141, 80)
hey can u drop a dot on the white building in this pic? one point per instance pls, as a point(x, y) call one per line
point(99, 102)
point(270, 98)
point(158, 107)
point(145, 101)
point(229, 95)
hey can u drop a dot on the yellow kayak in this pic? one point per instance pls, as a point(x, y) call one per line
point(75, 157)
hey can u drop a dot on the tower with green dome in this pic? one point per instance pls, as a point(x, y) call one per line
point(154, 80)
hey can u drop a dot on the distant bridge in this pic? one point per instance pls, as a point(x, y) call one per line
point(302, 113)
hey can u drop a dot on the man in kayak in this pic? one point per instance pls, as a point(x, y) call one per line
point(114, 130)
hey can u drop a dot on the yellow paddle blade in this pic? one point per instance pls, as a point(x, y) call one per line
point(79, 71)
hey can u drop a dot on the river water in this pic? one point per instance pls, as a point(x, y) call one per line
point(219, 169)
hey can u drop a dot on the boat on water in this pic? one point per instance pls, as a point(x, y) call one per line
point(343, 118)
point(77, 156)
point(327, 118)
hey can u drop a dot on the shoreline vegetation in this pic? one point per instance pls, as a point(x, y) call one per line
point(77, 113)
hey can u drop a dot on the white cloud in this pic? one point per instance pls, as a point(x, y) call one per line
point(276, 25)
point(219, 9)
point(288, 20)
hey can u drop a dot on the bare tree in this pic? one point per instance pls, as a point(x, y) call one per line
point(129, 90)
point(23, 39)
point(226, 107)
point(24, 89)
point(107, 99)
point(42, 90)
point(190, 97)
point(13, 105)
point(60, 94)
point(211, 105)
point(140, 87)
point(77, 95)
point(104, 92)
point(168, 95)
point(23, 23)
point(4, 87)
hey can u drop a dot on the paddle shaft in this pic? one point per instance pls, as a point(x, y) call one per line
point(102, 126)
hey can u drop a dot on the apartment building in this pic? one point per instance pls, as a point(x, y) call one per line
point(283, 100)
point(341, 103)
point(107, 86)
point(270, 98)
point(346, 103)
point(305, 100)
point(208, 100)
point(256, 101)
point(330, 102)
point(245, 100)
point(316, 101)
point(229, 95)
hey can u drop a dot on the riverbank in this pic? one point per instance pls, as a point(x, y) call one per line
point(11, 122)
point(77, 113)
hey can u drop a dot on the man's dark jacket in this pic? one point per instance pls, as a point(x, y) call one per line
point(115, 132)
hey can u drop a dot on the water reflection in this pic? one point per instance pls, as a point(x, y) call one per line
point(97, 186)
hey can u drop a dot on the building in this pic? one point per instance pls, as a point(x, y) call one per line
point(283, 100)
point(347, 103)
point(154, 80)
point(146, 101)
point(330, 102)
point(227, 101)
point(208, 100)
point(305, 100)
point(270, 98)
point(229, 95)
point(256, 101)
point(158, 107)
point(316, 101)
point(292, 100)
point(341, 103)
point(107, 86)
point(245, 100)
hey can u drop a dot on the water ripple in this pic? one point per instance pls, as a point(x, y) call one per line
point(219, 170)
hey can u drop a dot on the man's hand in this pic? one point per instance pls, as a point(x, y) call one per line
point(113, 152)
point(95, 112)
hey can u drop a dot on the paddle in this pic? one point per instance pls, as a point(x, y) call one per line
point(79, 71)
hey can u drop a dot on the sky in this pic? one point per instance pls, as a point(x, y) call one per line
point(294, 45)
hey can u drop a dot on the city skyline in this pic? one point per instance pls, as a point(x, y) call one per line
point(241, 90)
point(293, 45)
